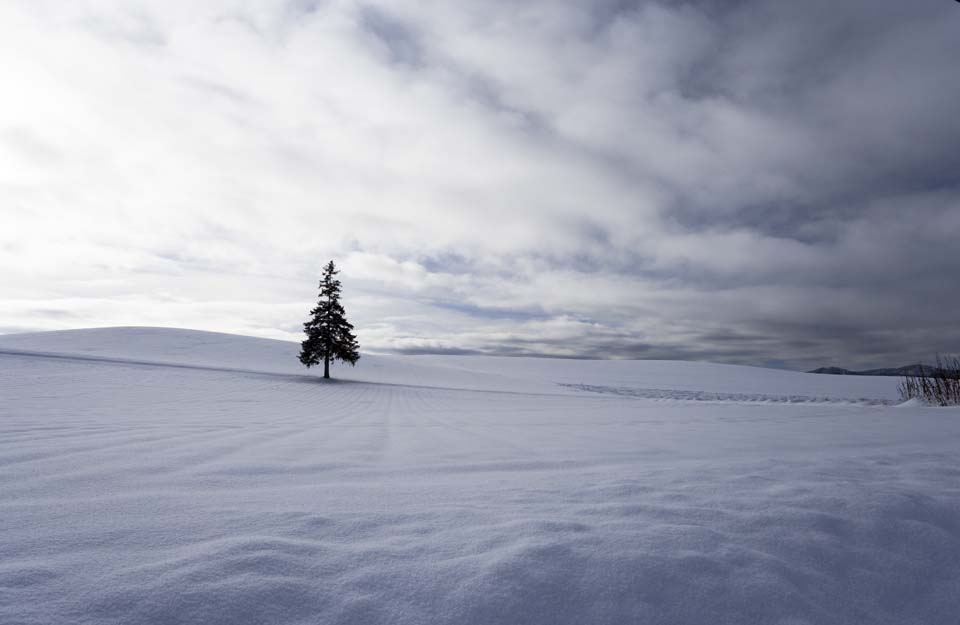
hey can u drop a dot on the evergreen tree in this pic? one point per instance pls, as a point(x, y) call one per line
point(329, 334)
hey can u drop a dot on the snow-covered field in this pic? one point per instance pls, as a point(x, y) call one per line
point(170, 476)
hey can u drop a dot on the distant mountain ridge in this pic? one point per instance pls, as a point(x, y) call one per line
point(916, 369)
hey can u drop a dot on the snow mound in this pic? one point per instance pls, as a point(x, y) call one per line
point(163, 476)
point(654, 379)
point(230, 352)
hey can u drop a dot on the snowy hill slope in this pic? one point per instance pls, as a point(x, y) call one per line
point(167, 476)
point(226, 351)
point(666, 375)
point(214, 350)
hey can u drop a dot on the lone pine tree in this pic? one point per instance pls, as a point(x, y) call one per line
point(329, 334)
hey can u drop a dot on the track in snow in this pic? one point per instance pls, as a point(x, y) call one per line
point(663, 394)
point(214, 493)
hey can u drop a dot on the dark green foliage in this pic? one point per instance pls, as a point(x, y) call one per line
point(329, 334)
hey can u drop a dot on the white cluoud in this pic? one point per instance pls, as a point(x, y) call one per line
point(171, 476)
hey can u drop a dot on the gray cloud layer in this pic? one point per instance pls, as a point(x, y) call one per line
point(753, 182)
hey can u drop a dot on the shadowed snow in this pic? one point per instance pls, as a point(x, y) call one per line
point(166, 476)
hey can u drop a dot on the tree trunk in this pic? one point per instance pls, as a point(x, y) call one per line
point(326, 367)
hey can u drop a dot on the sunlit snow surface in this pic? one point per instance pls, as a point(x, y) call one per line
point(168, 476)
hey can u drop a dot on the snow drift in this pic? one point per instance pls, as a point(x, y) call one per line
point(169, 476)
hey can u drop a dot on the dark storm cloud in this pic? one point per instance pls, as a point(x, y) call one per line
point(871, 86)
point(871, 191)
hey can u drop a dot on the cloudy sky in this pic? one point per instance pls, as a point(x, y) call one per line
point(759, 182)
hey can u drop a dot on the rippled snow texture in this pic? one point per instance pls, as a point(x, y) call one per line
point(163, 476)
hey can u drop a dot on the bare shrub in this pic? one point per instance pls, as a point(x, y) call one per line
point(939, 385)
